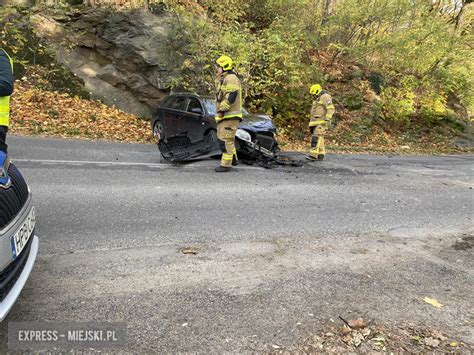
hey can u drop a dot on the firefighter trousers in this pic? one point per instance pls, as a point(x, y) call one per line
point(226, 130)
point(318, 132)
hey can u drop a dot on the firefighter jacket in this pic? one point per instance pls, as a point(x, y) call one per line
point(6, 87)
point(322, 109)
point(228, 97)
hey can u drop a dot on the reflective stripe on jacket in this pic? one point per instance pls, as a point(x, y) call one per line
point(5, 101)
point(229, 88)
point(322, 109)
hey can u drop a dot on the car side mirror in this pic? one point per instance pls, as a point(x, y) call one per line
point(196, 110)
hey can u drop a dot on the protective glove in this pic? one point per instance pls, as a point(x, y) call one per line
point(224, 106)
point(329, 123)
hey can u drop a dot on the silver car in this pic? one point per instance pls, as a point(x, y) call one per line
point(18, 242)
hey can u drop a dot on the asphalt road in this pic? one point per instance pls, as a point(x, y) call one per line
point(281, 253)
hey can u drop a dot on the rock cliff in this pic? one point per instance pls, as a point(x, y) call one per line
point(123, 58)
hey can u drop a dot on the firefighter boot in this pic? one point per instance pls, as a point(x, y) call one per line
point(311, 157)
point(235, 160)
point(222, 169)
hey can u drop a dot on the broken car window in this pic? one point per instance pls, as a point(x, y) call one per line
point(210, 106)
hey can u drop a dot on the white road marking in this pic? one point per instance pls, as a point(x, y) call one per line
point(189, 165)
point(84, 162)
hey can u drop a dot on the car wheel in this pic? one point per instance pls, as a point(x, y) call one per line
point(157, 130)
point(164, 160)
point(211, 136)
point(213, 141)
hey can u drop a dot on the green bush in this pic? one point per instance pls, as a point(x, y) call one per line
point(398, 104)
point(416, 54)
point(353, 100)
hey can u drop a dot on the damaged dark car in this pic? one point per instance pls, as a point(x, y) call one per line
point(185, 129)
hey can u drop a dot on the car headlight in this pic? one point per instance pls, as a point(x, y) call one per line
point(244, 135)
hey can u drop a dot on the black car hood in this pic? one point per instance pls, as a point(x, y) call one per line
point(257, 123)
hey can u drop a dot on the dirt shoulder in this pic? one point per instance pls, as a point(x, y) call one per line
point(358, 336)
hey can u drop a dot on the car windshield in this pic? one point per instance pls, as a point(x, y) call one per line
point(211, 107)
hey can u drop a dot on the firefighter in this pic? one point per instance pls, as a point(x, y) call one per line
point(228, 111)
point(6, 89)
point(321, 115)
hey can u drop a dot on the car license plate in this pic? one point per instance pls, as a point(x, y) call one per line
point(21, 237)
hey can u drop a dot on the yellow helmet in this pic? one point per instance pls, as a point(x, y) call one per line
point(315, 89)
point(225, 62)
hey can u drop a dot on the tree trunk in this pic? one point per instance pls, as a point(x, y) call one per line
point(460, 16)
point(328, 9)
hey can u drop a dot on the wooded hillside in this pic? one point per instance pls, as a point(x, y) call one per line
point(398, 70)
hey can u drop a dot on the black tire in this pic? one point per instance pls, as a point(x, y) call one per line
point(211, 136)
point(164, 160)
point(212, 140)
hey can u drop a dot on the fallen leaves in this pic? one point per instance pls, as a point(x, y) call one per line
point(357, 338)
point(438, 335)
point(355, 332)
point(431, 339)
point(378, 342)
point(345, 330)
point(371, 337)
point(432, 342)
point(46, 113)
point(433, 302)
point(190, 250)
point(357, 323)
